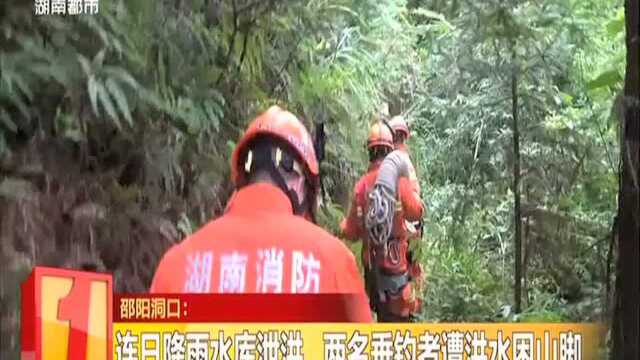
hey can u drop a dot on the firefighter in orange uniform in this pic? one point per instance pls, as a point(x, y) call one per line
point(400, 135)
point(386, 272)
point(262, 243)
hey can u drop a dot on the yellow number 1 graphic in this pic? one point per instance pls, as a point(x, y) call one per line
point(74, 319)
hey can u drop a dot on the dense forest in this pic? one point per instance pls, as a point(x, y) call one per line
point(116, 131)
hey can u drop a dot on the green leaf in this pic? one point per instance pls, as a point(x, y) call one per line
point(85, 64)
point(122, 75)
point(118, 47)
point(606, 79)
point(615, 27)
point(22, 85)
point(97, 28)
point(153, 99)
point(211, 114)
point(74, 135)
point(120, 98)
point(98, 60)
point(6, 120)
point(107, 104)
point(18, 102)
point(566, 98)
point(92, 87)
point(231, 145)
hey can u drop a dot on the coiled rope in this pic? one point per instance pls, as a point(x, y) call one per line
point(379, 219)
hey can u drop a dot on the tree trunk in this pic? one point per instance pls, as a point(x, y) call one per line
point(516, 183)
point(525, 263)
point(626, 326)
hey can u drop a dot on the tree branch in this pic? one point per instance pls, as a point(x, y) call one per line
point(516, 179)
point(242, 55)
point(576, 171)
point(232, 42)
point(289, 58)
point(244, 49)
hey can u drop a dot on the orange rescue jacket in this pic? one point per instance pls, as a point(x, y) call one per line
point(260, 246)
point(353, 226)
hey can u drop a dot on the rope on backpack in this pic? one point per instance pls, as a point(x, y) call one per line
point(382, 202)
point(379, 219)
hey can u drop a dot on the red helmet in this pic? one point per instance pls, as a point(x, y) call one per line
point(380, 135)
point(399, 124)
point(284, 126)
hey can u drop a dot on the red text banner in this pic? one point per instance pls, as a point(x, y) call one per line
point(232, 307)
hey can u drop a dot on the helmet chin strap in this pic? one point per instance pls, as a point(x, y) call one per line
point(297, 205)
point(262, 158)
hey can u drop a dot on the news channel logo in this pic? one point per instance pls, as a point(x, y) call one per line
point(66, 7)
